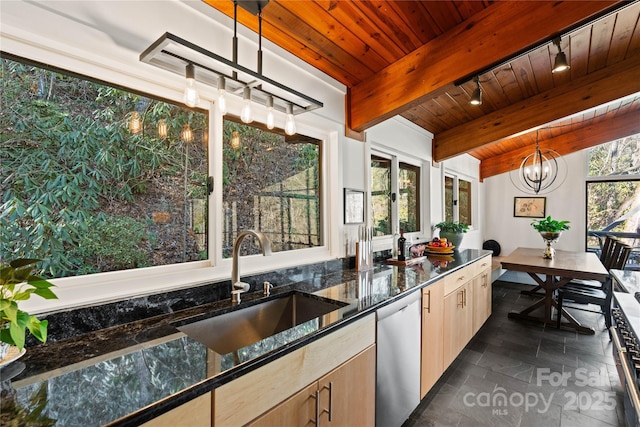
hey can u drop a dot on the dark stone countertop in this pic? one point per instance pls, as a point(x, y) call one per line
point(127, 374)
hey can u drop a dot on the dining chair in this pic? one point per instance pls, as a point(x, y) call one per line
point(594, 292)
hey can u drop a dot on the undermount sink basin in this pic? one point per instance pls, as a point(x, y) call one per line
point(231, 331)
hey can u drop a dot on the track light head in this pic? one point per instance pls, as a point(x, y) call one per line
point(560, 64)
point(476, 96)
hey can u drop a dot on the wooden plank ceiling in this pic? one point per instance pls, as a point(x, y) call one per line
point(418, 58)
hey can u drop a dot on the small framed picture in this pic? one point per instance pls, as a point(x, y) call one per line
point(529, 207)
point(353, 206)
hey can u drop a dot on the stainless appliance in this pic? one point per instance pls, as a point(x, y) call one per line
point(625, 334)
point(398, 362)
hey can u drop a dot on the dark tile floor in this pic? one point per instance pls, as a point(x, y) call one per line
point(515, 373)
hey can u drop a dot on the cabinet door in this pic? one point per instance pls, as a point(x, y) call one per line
point(458, 321)
point(481, 299)
point(297, 411)
point(348, 393)
point(431, 362)
point(196, 413)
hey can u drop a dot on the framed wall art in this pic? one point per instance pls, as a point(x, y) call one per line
point(529, 207)
point(353, 206)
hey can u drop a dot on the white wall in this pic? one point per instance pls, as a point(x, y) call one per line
point(468, 168)
point(565, 203)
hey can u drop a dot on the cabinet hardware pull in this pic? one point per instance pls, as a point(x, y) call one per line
point(460, 278)
point(428, 307)
point(316, 396)
point(464, 297)
point(461, 300)
point(330, 399)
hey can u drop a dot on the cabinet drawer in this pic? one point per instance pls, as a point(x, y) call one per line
point(482, 265)
point(458, 278)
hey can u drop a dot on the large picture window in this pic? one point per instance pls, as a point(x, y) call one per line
point(270, 183)
point(97, 178)
point(613, 194)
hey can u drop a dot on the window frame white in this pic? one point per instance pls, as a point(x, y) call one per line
point(396, 159)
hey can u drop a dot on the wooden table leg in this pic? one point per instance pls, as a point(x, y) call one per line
point(549, 285)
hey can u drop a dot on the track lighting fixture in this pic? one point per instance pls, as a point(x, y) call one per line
point(476, 97)
point(560, 63)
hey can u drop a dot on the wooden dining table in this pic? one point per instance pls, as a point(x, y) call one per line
point(551, 274)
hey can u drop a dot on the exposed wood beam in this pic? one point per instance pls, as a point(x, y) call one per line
point(589, 135)
point(592, 90)
point(485, 39)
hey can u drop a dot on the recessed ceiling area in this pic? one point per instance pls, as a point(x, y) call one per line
point(418, 59)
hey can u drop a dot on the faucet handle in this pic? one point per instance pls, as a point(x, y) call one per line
point(267, 286)
point(235, 296)
point(242, 286)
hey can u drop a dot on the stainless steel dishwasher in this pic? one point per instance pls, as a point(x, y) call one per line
point(398, 362)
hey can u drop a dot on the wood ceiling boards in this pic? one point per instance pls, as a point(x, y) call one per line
point(404, 57)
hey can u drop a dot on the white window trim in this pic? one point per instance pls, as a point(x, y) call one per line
point(382, 242)
point(474, 195)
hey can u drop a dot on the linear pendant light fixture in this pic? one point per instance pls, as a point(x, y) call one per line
point(175, 54)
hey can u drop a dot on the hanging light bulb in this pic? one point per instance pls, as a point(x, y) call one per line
point(162, 128)
point(187, 133)
point(246, 115)
point(290, 125)
point(135, 126)
point(222, 101)
point(191, 97)
point(271, 121)
point(235, 140)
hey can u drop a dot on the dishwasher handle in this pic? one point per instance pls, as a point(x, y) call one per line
point(399, 305)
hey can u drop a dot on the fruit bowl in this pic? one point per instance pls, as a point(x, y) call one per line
point(440, 249)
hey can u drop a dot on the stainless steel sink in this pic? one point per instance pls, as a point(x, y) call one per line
point(231, 331)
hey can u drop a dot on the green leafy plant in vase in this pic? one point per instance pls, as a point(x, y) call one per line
point(17, 283)
point(550, 230)
point(453, 231)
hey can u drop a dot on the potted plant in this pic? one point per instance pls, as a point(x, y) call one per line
point(550, 230)
point(452, 231)
point(18, 284)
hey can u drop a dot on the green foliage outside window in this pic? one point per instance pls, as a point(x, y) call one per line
point(72, 170)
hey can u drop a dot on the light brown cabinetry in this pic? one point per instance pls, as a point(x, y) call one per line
point(481, 298)
point(344, 397)
point(458, 321)
point(195, 413)
point(431, 362)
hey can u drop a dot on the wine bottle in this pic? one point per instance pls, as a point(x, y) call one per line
point(401, 248)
